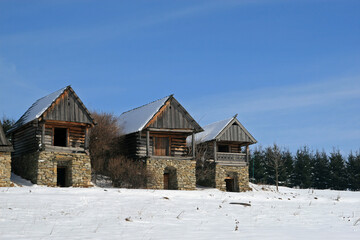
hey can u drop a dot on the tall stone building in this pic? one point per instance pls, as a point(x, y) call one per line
point(223, 153)
point(156, 134)
point(5, 159)
point(51, 141)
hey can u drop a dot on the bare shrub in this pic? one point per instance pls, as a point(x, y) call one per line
point(103, 140)
point(128, 173)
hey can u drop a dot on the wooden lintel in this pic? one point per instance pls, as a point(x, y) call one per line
point(55, 122)
point(171, 130)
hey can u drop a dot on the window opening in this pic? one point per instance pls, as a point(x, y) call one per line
point(60, 137)
point(223, 148)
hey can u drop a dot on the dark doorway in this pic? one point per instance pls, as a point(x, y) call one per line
point(229, 184)
point(61, 177)
point(60, 137)
point(166, 180)
point(170, 178)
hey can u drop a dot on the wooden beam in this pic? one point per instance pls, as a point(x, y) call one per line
point(147, 143)
point(170, 130)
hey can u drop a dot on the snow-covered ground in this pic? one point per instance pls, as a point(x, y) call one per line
point(33, 212)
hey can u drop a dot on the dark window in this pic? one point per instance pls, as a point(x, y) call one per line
point(223, 148)
point(60, 137)
point(162, 146)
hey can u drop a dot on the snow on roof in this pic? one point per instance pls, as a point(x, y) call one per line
point(212, 130)
point(37, 109)
point(136, 119)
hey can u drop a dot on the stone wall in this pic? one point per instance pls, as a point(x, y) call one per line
point(239, 173)
point(181, 173)
point(25, 165)
point(5, 169)
point(41, 168)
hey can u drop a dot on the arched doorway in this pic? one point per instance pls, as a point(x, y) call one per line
point(170, 178)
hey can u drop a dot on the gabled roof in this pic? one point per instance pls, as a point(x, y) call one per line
point(212, 130)
point(5, 145)
point(140, 118)
point(215, 131)
point(41, 106)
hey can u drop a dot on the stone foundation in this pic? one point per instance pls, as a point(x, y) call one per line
point(181, 173)
point(41, 168)
point(240, 174)
point(5, 169)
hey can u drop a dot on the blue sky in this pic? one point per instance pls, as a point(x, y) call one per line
point(290, 69)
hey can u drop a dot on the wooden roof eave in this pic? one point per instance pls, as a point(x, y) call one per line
point(68, 88)
point(197, 128)
point(217, 138)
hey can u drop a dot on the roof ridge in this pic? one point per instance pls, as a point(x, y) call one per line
point(167, 97)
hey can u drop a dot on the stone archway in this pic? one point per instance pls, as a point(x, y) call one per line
point(170, 178)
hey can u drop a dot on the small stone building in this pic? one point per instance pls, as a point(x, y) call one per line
point(223, 150)
point(51, 140)
point(156, 134)
point(5, 159)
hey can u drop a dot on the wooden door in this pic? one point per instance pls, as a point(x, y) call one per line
point(162, 146)
point(166, 180)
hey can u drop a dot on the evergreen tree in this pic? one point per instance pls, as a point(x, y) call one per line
point(269, 169)
point(256, 168)
point(353, 171)
point(337, 171)
point(320, 170)
point(7, 123)
point(302, 168)
point(286, 171)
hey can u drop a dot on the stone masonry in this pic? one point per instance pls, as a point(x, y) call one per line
point(5, 169)
point(239, 173)
point(185, 173)
point(41, 168)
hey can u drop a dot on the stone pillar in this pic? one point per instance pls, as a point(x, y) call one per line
point(5, 169)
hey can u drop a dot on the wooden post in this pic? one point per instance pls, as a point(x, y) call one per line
point(215, 151)
point(147, 143)
point(43, 135)
point(86, 138)
point(193, 144)
point(247, 153)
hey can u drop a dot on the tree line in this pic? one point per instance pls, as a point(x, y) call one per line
point(305, 169)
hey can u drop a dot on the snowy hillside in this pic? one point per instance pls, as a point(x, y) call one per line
point(33, 212)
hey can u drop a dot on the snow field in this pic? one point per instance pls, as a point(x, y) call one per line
point(34, 212)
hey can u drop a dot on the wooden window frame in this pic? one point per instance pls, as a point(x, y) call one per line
point(67, 137)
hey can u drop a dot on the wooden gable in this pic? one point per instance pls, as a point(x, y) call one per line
point(173, 116)
point(235, 131)
point(69, 108)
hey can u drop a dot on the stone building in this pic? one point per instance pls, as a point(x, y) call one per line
point(5, 159)
point(223, 155)
point(156, 134)
point(51, 140)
